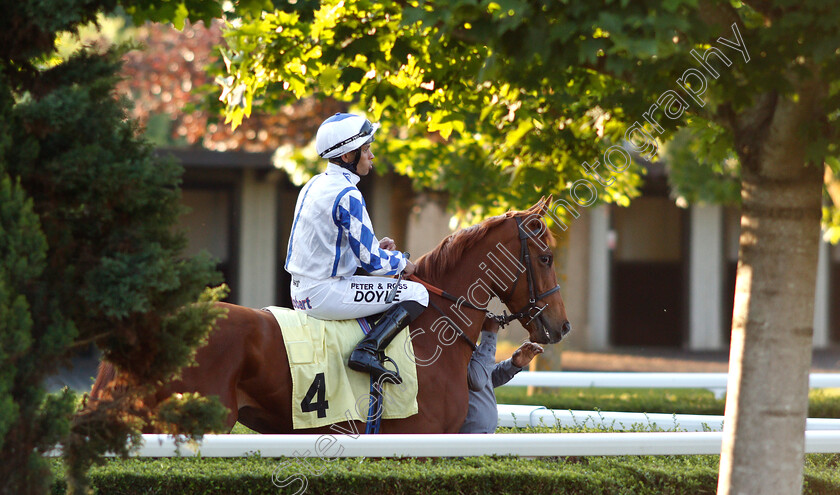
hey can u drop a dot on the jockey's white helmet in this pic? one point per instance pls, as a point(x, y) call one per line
point(343, 133)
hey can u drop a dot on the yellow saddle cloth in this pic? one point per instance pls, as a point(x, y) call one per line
point(324, 389)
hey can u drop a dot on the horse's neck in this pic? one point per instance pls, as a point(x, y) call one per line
point(456, 282)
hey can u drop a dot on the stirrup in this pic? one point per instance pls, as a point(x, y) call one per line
point(382, 358)
point(375, 358)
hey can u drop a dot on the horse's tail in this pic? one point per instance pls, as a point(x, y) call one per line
point(106, 377)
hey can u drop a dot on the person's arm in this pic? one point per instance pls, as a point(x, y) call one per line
point(352, 215)
point(504, 371)
point(481, 362)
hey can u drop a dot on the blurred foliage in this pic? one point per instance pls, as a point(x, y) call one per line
point(168, 72)
point(702, 168)
point(169, 83)
point(500, 102)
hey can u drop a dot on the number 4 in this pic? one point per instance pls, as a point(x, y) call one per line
point(318, 386)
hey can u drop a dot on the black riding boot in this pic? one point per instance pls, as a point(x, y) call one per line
point(368, 354)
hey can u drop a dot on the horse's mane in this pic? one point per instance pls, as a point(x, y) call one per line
point(450, 251)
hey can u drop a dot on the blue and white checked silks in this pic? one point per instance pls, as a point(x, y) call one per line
point(331, 237)
point(352, 216)
point(332, 234)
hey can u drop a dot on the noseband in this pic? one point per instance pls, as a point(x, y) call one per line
point(530, 310)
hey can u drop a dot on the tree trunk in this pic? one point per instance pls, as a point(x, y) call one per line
point(772, 329)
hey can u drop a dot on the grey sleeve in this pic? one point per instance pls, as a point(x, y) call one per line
point(503, 372)
point(481, 362)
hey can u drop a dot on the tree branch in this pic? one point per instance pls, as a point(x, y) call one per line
point(90, 340)
point(718, 14)
point(751, 129)
point(765, 8)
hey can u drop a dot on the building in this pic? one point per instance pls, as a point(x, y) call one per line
point(654, 274)
point(651, 274)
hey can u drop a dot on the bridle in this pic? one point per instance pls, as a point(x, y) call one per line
point(530, 310)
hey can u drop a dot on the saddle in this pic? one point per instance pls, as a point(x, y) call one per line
point(324, 390)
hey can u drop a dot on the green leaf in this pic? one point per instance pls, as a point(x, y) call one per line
point(328, 77)
point(180, 16)
point(417, 98)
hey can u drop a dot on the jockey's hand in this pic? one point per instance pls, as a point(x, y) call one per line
point(526, 352)
point(409, 268)
point(387, 243)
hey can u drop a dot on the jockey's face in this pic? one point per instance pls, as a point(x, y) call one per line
point(365, 160)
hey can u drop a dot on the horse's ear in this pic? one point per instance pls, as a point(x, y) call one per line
point(546, 204)
point(541, 207)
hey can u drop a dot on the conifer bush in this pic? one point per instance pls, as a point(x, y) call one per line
point(89, 252)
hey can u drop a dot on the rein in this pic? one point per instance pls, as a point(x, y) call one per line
point(444, 294)
point(530, 310)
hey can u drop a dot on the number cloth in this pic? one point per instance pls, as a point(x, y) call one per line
point(324, 389)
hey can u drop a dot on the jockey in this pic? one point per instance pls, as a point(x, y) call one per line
point(332, 236)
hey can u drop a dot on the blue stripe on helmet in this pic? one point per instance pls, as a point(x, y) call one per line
point(338, 117)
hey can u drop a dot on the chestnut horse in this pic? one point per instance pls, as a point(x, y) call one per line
point(245, 364)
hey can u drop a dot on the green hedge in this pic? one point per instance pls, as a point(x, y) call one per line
point(583, 475)
point(683, 475)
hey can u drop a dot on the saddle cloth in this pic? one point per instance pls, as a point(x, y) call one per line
point(324, 389)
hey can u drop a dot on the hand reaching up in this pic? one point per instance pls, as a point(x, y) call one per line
point(526, 352)
point(490, 325)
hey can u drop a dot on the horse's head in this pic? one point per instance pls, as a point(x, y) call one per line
point(508, 256)
point(534, 295)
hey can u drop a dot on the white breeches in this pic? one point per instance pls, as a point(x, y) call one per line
point(352, 297)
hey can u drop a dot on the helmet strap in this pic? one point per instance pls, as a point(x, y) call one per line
point(349, 166)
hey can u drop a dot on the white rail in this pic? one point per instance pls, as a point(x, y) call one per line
point(634, 379)
point(512, 415)
point(516, 444)
point(716, 382)
point(822, 435)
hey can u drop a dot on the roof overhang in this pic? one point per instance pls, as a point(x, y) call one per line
point(205, 159)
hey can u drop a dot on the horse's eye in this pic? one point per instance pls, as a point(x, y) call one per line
point(546, 259)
